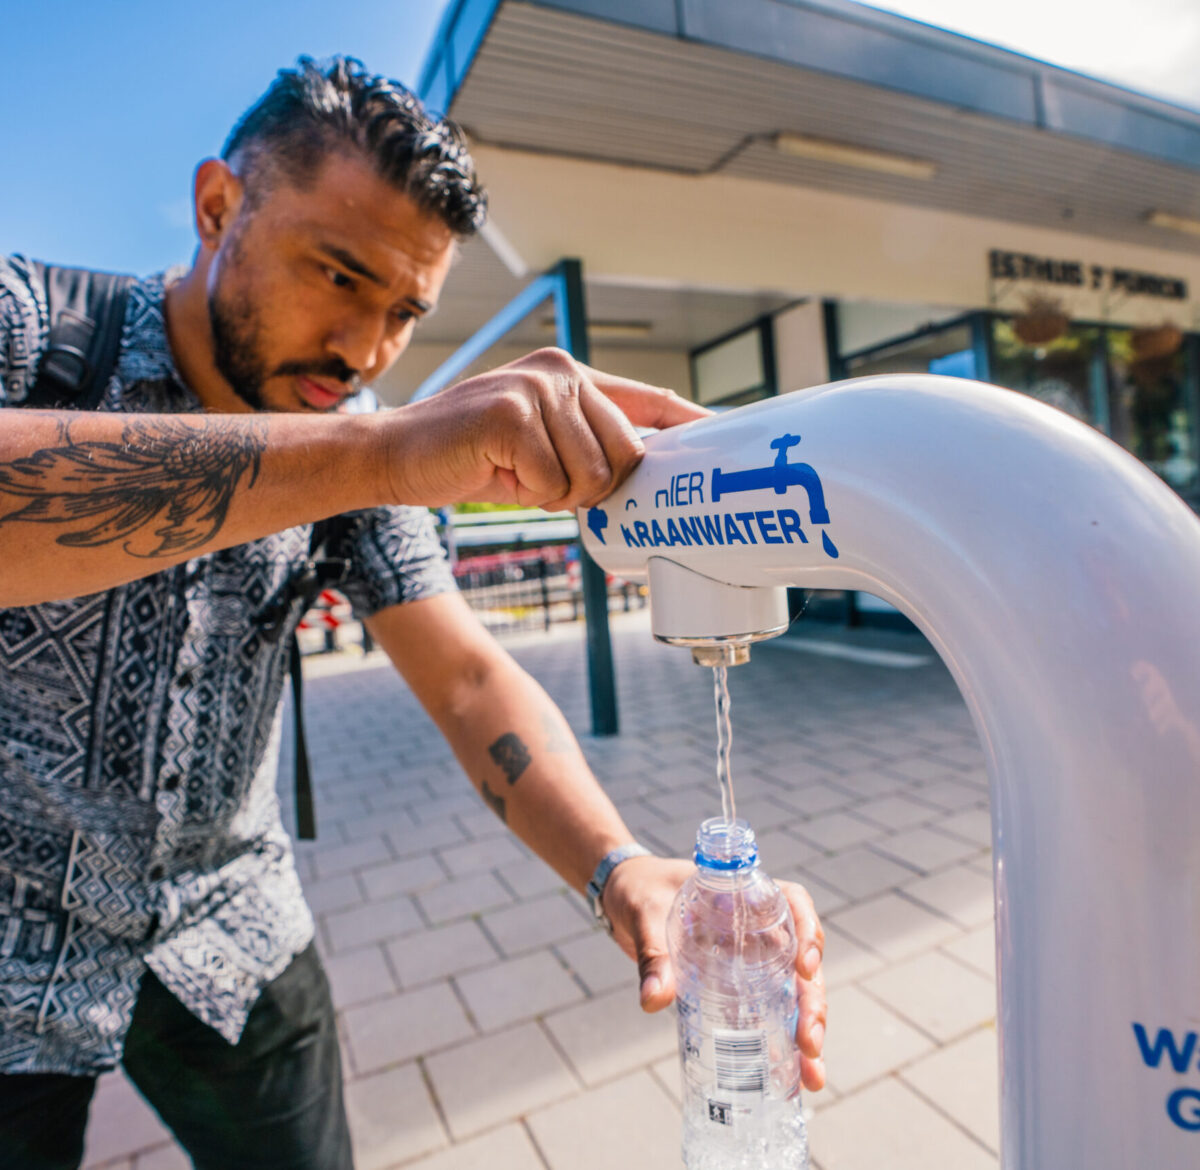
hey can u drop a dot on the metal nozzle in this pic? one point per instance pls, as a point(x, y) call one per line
point(722, 654)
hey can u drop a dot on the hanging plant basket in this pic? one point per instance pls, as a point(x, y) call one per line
point(1163, 341)
point(1042, 322)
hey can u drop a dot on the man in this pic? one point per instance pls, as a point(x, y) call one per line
point(149, 908)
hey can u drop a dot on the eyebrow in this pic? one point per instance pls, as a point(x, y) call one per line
point(353, 264)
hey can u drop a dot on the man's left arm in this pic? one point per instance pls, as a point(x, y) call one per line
point(520, 754)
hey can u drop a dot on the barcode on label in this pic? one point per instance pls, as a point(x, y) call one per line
point(741, 1060)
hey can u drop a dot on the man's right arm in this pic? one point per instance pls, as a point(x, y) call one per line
point(95, 499)
point(89, 500)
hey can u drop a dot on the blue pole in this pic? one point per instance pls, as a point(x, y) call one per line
point(571, 315)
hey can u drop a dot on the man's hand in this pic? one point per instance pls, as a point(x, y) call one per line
point(638, 899)
point(543, 431)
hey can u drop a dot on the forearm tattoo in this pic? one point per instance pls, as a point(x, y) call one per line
point(494, 802)
point(168, 481)
point(512, 757)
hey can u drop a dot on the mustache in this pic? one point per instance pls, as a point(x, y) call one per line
point(329, 368)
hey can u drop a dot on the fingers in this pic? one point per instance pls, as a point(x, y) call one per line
point(645, 405)
point(589, 419)
point(657, 982)
point(810, 985)
point(637, 899)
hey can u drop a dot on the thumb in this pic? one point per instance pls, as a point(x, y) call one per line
point(657, 979)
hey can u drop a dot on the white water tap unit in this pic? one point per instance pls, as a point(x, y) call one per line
point(1059, 579)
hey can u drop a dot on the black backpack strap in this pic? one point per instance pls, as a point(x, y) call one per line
point(87, 316)
point(321, 572)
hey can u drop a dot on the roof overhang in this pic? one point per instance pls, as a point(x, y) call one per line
point(644, 136)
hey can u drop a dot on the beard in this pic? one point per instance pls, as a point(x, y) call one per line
point(237, 333)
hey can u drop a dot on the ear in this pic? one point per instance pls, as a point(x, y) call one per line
point(217, 195)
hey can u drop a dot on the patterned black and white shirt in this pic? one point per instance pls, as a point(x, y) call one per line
point(139, 733)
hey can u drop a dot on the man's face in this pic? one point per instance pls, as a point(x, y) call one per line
point(315, 292)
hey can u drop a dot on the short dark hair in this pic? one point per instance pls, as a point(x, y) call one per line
point(312, 110)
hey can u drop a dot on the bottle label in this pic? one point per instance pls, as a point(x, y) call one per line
point(739, 1073)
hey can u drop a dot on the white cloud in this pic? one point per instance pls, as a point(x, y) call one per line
point(1152, 46)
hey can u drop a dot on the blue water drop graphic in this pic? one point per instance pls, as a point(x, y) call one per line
point(830, 547)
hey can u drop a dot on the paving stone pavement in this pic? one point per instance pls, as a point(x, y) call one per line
point(485, 1022)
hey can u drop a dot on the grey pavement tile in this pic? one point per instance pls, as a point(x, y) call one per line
point(865, 1041)
point(476, 856)
point(506, 1148)
point(392, 1030)
point(844, 960)
point(825, 898)
point(465, 896)
point(599, 962)
point(335, 893)
point(427, 836)
point(836, 831)
point(925, 849)
point(811, 800)
point(372, 922)
point(517, 990)
point(669, 1074)
point(536, 923)
point(444, 950)
point(610, 1035)
point(940, 996)
point(963, 1081)
point(120, 1123)
point(340, 858)
point(780, 849)
point(359, 975)
point(497, 1078)
point(895, 812)
point(890, 1125)
point(923, 769)
point(893, 926)
point(859, 872)
point(530, 877)
point(459, 799)
point(960, 893)
point(391, 1118)
point(481, 824)
point(949, 795)
point(631, 1123)
point(976, 948)
point(870, 783)
point(410, 875)
point(973, 824)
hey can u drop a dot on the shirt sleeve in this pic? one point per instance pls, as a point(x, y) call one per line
point(394, 557)
point(23, 329)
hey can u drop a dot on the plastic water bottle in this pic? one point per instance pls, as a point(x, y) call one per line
point(733, 948)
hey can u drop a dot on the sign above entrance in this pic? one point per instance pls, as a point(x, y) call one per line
point(1019, 266)
point(1085, 291)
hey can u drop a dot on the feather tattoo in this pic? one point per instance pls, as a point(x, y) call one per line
point(171, 479)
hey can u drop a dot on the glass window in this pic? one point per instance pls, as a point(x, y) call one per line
point(1148, 401)
point(947, 351)
point(1053, 369)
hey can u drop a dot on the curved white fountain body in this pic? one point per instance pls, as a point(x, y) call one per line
point(1060, 581)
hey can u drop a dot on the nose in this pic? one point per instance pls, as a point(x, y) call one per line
point(359, 341)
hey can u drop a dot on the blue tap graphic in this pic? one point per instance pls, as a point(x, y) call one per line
point(597, 521)
point(780, 475)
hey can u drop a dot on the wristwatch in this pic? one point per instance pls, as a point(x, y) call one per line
point(609, 862)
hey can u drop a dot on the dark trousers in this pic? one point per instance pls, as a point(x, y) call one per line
point(273, 1101)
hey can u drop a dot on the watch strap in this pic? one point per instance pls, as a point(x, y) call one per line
point(609, 862)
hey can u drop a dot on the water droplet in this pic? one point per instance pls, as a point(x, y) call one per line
point(830, 547)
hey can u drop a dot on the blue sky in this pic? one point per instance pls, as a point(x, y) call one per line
point(110, 104)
